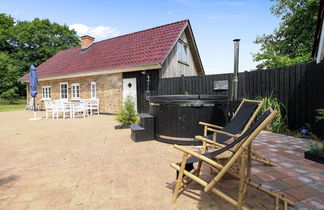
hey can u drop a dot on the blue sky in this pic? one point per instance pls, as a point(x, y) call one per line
point(215, 23)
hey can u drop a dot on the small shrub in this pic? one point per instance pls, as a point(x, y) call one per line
point(278, 125)
point(317, 148)
point(320, 115)
point(127, 114)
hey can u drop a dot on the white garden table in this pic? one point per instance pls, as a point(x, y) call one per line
point(72, 104)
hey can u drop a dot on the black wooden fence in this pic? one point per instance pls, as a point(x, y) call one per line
point(300, 89)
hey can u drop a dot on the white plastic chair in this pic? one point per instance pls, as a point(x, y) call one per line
point(93, 105)
point(30, 105)
point(63, 108)
point(50, 108)
point(80, 109)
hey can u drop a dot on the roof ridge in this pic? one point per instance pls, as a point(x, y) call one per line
point(185, 20)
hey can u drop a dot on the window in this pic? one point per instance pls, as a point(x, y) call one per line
point(46, 92)
point(93, 90)
point(182, 52)
point(64, 90)
point(75, 90)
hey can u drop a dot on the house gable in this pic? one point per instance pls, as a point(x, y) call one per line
point(172, 66)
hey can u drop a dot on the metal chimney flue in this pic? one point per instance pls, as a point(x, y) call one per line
point(236, 65)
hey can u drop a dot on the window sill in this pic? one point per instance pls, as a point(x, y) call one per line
point(46, 99)
point(184, 63)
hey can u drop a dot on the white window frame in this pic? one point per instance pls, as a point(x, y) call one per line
point(93, 92)
point(75, 85)
point(67, 90)
point(182, 51)
point(46, 92)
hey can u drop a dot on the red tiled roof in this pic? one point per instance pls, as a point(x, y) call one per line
point(146, 47)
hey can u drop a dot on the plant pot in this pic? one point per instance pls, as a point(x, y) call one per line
point(122, 126)
point(304, 131)
point(314, 157)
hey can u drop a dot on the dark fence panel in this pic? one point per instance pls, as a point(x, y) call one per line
point(300, 88)
point(193, 85)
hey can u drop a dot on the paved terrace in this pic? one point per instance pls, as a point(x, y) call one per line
point(86, 164)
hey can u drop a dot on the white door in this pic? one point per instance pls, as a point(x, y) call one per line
point(129, 89)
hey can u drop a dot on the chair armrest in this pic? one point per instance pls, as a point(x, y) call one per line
point(199, 156)
point(210, 125)
point(209, 141)
point(223, 132)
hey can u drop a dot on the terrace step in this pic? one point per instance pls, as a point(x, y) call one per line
point(143, 131)
point(136, 127)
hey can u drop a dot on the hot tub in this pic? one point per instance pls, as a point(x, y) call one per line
point(177, 116)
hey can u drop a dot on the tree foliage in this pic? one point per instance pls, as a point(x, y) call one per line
point(292, 42)
point(8, 75)
point(23, 43)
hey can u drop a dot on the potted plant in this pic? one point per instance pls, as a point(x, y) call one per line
point(316, 152)
point(127, 114)
point(278, 125)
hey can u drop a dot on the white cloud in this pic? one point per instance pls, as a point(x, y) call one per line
point(99, 32)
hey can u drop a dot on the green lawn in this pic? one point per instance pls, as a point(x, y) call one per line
point(6, 105)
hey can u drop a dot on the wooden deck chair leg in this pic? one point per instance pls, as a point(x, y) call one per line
point(285, 205)
point(204, 149)
point(249, 162)
point(258, 157)
point(277, 197)
point(277, 203)
point(179, 180)
point(213, 189)
point(242, 184)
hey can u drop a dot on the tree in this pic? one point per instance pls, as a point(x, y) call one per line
point(23, 43)
point(6, 24)
point(8, 75)
point(127, 114)
point(38, 40)
point(292, 42)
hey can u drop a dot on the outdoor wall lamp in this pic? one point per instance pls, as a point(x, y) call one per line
point(147, 92)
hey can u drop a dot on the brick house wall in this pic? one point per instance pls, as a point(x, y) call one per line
point(109, 90)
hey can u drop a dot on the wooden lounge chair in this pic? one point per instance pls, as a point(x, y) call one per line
point(242, 119)
point(241, 158)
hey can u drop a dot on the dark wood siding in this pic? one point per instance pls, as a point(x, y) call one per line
point(141, 85)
